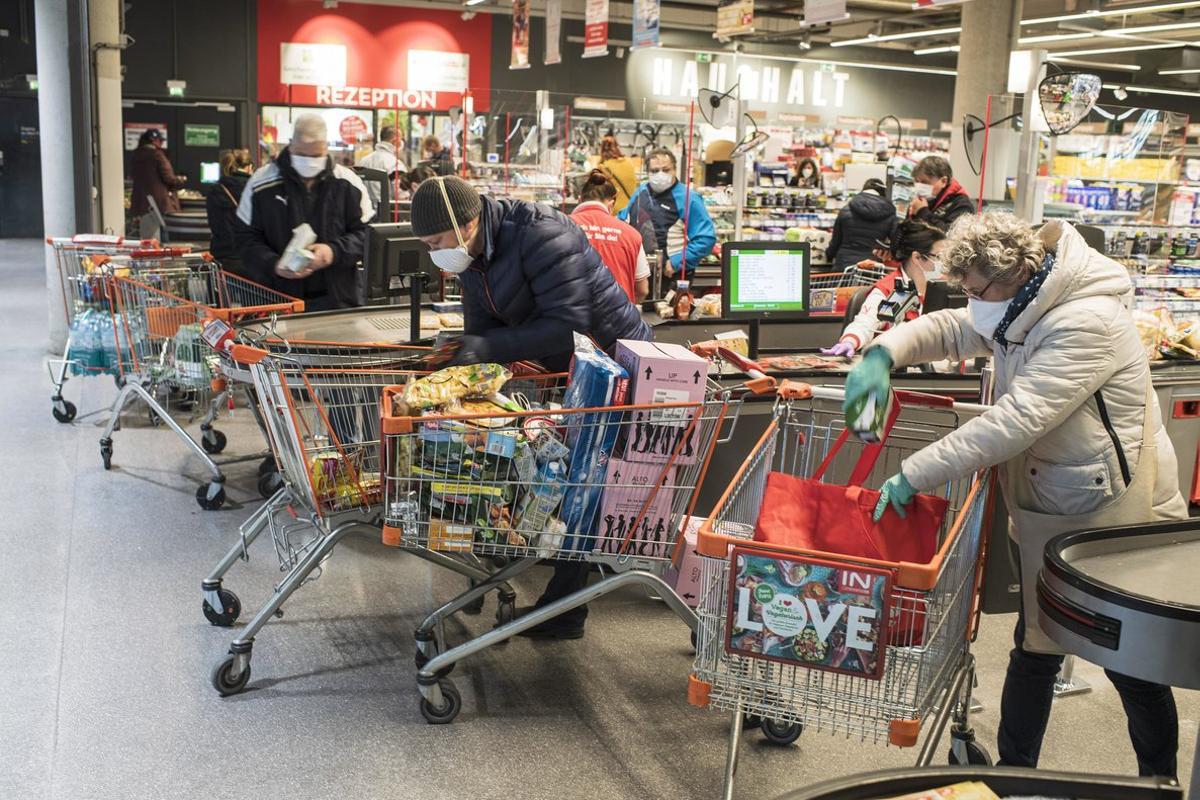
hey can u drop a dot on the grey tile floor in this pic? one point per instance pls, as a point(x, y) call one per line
point(106, 657)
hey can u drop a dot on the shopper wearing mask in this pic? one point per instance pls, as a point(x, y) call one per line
point(221, 205)
point(152, 176)
point(437, 157)
point(1075, 429)
point(618, 243)
point(619, 168)
point(303, 185)
point(868, 218)
point(530, 279)
point(940, 200)
point(807, 175)
point(661, 208)
point(916, 247)
point(383, 158)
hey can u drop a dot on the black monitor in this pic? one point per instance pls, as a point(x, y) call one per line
point(765, 280)
point(392, 254)
point(939, 295)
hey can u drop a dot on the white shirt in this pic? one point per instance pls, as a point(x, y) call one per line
point(382, 158)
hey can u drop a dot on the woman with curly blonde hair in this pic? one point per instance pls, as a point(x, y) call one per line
point(1075, 428)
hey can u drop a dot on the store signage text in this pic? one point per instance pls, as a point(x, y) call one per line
point(370, 97)
point(761, 84)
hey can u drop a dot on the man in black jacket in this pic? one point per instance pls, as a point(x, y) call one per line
point(303, 185)
point(530, 279)
point(868, 218)
point(940, 199)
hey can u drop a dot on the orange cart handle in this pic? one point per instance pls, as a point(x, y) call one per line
point(245, 354)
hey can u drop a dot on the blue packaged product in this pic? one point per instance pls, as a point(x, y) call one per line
point(596, 382)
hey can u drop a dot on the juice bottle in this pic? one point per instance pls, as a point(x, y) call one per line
point(683, 300)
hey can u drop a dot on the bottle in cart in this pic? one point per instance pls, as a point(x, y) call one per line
point(542, 499)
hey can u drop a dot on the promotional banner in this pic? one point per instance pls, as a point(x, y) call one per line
point(735, 17)
point(645, 23)
point(821, 12)
point(595, 29)
point(553, 32)
point(520, 35)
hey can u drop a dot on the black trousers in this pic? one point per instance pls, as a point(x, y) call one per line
point(568, 577)
point(1029, 693)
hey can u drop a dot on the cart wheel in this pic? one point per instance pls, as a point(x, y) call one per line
point(781, 733)
point(451, 705)
point(267, 465)
point(751, 721)
point(210, 499)
point(106, 454)
point(63, 410)
point(506, 612)
point(499, 562)
point(269, 483)
point(213, 441)
point(226, 685)
point(975, 753)
point(231, 609)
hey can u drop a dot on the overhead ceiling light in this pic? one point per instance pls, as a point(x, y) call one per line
point(929, 51)
point(1054, 37)
point(1187, 71)
point(1120, 93)
point(1079, 62)
point(473, 2)
point(1172, 26)
point(1113, 12)
point(1151, 90)
point(804, 60)
point(1102, 50)
point(895, 37)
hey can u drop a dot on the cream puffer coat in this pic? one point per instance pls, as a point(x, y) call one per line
point(1076, 336)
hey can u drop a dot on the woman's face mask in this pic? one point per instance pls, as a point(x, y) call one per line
point(986, 315)
point(923, 190)
point(308, 166)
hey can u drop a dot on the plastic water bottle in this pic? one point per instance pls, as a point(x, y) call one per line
point(542, 499)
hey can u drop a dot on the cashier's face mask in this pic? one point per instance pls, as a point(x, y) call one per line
point(923, 190)
point(308, 166)
point(452, 259)
point(986, 315)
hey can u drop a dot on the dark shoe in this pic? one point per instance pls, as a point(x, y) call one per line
point(554, 629)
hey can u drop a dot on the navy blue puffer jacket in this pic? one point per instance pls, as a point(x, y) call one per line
point(538, 281)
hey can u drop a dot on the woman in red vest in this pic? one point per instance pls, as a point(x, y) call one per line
point(618, 243)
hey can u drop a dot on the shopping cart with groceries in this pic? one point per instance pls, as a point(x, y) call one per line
point(831, 291)
point(511, 478)
point(159, 304)
point(89, 345)
point(320, 404)
point(794, 639)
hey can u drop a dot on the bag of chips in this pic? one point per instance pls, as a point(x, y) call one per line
point(450, 384)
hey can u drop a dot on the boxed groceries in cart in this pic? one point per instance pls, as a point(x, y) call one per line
point(635, 510)
point(662, 375)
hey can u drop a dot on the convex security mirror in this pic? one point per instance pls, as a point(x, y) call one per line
point(1066, 99)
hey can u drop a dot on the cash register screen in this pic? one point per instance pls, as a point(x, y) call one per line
point(765, 279)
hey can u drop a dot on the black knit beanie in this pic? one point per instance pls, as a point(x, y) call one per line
point(429, 213)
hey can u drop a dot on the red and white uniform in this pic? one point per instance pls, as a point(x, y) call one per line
point(618, 243)
point(866, 324)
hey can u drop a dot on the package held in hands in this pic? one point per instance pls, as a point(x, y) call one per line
point(662, 374)
point(297, 256)
point(596, 382)
point(628, 486)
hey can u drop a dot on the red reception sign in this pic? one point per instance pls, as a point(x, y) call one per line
point(381, 45)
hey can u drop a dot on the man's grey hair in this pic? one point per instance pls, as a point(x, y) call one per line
point(309, 128)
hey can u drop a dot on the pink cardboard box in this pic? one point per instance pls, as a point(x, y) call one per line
point(659, 374)
point(628, 486)
point(686, 576)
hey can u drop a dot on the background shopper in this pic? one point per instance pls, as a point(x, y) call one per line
point(221, 206)
point(303, 185)
point(437, 157)
point(152, 176)
point(916, 247)
point(868, 218)
point(940, 199)
point(806, 174)
point(384, 159)
point(659, 208)
point(619, 168)
point(1075, 426)
point(617, 242)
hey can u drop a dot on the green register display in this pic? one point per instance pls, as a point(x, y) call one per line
point(768, 280)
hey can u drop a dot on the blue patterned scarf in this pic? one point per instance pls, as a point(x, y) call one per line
point(1024, 298)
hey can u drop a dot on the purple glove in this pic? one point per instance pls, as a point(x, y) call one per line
point(844, 348)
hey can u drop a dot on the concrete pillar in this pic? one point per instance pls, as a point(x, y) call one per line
point(104, 27)
point(990, 29)
point(63, 101)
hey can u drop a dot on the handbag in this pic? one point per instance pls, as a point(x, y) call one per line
point(830, 520)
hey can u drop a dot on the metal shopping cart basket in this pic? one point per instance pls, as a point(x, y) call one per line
point(484, 484)
point(159, 304)
point(323, 425)
point(840, 680)
point(831, 291)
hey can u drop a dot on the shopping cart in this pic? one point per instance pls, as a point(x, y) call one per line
point(831, 291)
point(323, 426)
point(159, 304)
point(85, 310)
point(879, 694)
point(467, 483)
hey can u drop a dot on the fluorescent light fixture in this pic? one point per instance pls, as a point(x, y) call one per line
point(1113, 12)
point(474, 2)
point(1188, 71)
point(1103, 50)
point(1054, 37)
point(1171, 26)
point(803, 60)
point(1079, 62)
point(929, 51)
point(1152, 90)
point(895, 37)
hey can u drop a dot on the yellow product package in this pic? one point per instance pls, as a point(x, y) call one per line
point(967, 790)
point(452, 383)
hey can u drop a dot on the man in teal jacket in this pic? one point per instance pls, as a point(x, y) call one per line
point(659, 209)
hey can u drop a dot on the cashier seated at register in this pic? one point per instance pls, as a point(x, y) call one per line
point(658, 209)
point(530, 279)
point(915, 247)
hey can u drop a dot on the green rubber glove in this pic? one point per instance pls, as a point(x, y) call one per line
point(898, 492)
point(871, 375)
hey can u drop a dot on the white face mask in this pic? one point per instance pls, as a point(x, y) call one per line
point(308, 166)
point(923, 190)
point(661, 181)
point(451, 259)
point(986, 315)
point(935, 270)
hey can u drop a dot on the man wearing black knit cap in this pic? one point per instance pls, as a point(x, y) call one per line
point(530, 277)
